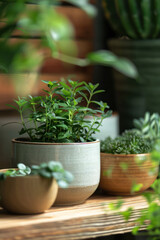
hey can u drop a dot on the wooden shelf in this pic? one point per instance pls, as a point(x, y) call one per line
point(91, 219)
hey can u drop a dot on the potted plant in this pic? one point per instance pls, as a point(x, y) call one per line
point(58, 129)
point(149, 128)
point(32, 190)
point(137, 24)
point(126, 161)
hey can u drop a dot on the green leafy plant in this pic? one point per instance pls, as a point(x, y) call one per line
point(51, 169)
point(149, 126)
point(130, 142)
point(59, 116)
point(149, 217)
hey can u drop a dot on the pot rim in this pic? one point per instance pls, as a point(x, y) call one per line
point(126, 155)
point(21, 177)
point(129, 43)
point(142, 41)
point(22, 141)
point(15, 177)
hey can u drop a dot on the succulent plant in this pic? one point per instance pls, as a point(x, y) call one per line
point(149, 126)
point(137, 19)
point(130, 142)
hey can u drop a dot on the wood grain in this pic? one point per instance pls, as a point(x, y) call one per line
point(77, 222)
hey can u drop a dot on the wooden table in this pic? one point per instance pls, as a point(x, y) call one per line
point(91, 219)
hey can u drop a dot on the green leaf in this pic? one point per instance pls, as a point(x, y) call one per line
point(62, 184)
point(127, 214)
point(52, 165)
point(107, 58)
point(21, 166)
point(9, 105)
point(68, 176)
point(84, 4)
point(116, 206)
point(64, 85)
point(45, 173)
point(124, 166)
point(35, 167)
point(136, 187)
point(108, 172)
point(135, 230)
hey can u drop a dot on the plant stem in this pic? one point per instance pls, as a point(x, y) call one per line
point(23, 122)
point(71, 60)
point(35, 122)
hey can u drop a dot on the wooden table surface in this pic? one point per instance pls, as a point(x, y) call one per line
point(91, 219)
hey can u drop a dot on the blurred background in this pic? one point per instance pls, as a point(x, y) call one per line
point(89, 34)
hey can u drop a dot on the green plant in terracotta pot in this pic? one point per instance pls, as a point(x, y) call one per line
point(127, 165)
point(30, 190)
point(138, 29)
point(58, 129)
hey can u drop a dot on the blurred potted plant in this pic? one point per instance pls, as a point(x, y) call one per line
point(58, 129)
point(137, 24)
point(53, 27)
point(32, 190)
point(126, 161)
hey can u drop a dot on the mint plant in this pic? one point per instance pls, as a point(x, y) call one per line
point(51, 169)
point(64, 114)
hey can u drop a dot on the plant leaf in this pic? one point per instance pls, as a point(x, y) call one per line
point(107, 58)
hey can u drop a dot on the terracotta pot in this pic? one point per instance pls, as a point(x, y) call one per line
point(139, 170)
point(27, 195)
point(81, 159)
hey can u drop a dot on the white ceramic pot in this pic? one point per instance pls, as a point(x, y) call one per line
point(81, 159)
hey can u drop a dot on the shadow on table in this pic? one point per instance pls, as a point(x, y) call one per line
point(126, 236)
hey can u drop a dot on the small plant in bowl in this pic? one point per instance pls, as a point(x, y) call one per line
point(60, 126)
point(126, 164)
point(130, 142)
point(29, 190)
point(60, 115)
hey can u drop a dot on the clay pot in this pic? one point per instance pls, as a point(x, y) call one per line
point(28, 194)
point(81, 159)
point(126, 170)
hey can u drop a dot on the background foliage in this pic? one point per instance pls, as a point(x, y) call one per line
point(53, 28)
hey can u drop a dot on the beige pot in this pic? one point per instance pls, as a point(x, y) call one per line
point(81, 159)
point(119, 172)
point(28, 195)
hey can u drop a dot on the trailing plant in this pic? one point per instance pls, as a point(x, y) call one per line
point(149, 218)
point(133, 18)
point(130, 142)
point(59, 115)
point(51, 169)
